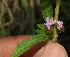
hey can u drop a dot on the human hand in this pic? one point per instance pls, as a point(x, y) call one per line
point(8, 44)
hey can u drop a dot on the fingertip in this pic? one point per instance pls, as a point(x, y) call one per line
point(20, 38)
point(8, 44)
point(52, 50)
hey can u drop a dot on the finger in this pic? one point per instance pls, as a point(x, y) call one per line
point(51, 50)
point(8, 44)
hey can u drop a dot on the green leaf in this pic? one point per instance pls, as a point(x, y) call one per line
point(42, 26)
point(26, 44)
point(40, 31)
point(46, 9)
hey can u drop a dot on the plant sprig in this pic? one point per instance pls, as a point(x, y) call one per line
point(45, 30)
point(56, 18)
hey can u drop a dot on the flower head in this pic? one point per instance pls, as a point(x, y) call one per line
point(49, 22)
point(59, 24)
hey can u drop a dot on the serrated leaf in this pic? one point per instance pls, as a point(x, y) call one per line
point(40, 31)
point(42, 26)
point(26, 44)
point(46, 9)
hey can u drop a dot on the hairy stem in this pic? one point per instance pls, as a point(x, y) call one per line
point(56, 18)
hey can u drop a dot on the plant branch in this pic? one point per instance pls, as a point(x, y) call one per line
point(56, 18)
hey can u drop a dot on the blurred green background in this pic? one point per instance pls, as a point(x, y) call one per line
point(20, 17)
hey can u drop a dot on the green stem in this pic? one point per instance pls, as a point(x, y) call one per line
point(56, 18)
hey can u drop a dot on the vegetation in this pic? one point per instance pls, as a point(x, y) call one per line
point(20, 17)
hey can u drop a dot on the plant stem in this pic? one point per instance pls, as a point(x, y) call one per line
point(56, 18)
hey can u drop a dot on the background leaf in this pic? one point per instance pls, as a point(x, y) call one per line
point(26, 44)
point(41, 31)
point(46, 9)
point(42, 26)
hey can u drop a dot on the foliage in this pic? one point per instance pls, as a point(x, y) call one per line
point(26, 44)
point(23, 25)
point(46, 9)
point(42, 36)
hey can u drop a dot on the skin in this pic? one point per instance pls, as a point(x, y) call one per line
point(8, 44)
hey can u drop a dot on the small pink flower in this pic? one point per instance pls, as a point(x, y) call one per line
point(49, 22)
point(59, 24)
point(47, 19)
point(54, 21)
point(47, 25)
point(58, 28)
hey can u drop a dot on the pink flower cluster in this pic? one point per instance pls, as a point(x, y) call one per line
point(50, 22)
point(59, 24)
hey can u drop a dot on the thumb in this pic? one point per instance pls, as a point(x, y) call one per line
point(51, 50)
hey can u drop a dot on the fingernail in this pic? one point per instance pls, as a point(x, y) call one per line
point(42, 49)
point(54, 50)
point(39, 52)
point(66, 56)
